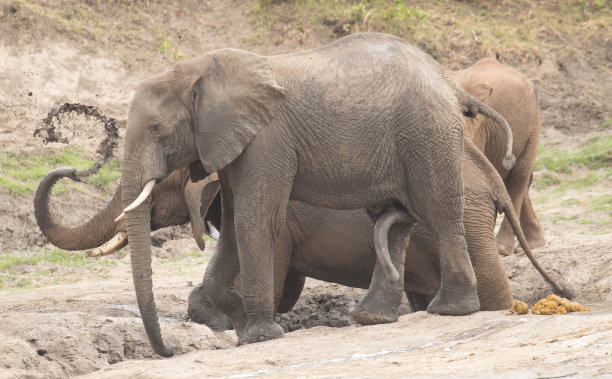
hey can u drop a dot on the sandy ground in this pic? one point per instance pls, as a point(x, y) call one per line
point(88, 323)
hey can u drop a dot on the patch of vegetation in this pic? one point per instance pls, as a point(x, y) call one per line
point(55, 256)
point(447, 29)
point(46, 267)
point(546, 181)
point(107, 22)
point(570, 202)
point(596, 153)
point(559, 218)
point(602, 204)
point(166, 46)
point(20, 173)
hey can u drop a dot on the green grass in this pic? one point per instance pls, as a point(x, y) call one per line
point(448, 29)
point(129, 22)
point(20, 173)
point(559, 165)
point(594, 154)
point(602, 203)
point(25, 271)
point(55, 256)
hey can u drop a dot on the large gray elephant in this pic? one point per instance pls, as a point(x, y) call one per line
point(367, 121)
point(336, 246)
point(513, 96)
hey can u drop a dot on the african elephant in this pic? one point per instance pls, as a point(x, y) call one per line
point(513, 96)
point(367, 121)
point(336, 246)
point(175, 201)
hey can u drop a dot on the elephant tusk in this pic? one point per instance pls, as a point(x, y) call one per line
point(120, 218)
point(110, 247)
point(146, 191)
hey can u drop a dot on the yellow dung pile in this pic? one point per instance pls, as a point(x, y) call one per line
point(553, 304)
point(518, 307)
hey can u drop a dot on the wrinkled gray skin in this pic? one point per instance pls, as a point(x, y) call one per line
point(175, 201)
point(513, 96)
point(367, 121)
point(305, 246)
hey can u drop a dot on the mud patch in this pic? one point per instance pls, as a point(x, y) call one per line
point(49, 342)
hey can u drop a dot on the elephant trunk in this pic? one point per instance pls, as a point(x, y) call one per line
point(93, 233)
point(139, 235)
point(514, 222)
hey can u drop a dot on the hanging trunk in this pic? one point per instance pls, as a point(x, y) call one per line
point(139, 235)
point(93, 233)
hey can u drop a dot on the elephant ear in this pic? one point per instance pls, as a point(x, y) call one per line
point(232, 101)
point(199, 196)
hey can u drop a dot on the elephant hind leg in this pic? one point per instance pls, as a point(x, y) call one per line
point(418, 301)
point(436, 197)
point(517, 184)
point(382, 301)
point(292, 289)
point(530, 225)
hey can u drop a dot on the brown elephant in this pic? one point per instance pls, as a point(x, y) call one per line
point(513, 96)
point(336, 246)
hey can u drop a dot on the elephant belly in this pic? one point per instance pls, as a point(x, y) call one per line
point(332, 245)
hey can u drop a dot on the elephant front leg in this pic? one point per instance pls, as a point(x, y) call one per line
point(201, 311)
point(458, 292)
point(258, 222)
point(224, 267)
point(381, 303)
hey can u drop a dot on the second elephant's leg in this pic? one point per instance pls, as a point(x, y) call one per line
point(530, 225)
point(517, 184)
point(223, 268)
point(201, 311)
point(382, 301)
point(291, 291)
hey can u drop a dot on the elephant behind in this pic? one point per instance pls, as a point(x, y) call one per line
point(514, 97)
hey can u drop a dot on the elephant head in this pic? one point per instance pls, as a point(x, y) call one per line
point(206, 109)
point(175, 201)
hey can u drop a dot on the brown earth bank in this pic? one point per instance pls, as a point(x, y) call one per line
point(86, 321)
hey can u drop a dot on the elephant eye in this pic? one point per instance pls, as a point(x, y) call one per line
point(155, 129)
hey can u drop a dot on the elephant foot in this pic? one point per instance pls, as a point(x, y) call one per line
point(535, 241)
point(259, 331)
point(200, 310)
point(454, 304)
point(504, 251)
point(378, 307)
point(364, 317)
point(505, 239)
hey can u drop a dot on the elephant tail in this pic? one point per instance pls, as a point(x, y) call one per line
point(470, 106)
point(381, 240)
point(508, 210)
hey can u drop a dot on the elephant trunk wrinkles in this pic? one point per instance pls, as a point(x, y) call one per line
point(93, 233)
point(139, 235)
